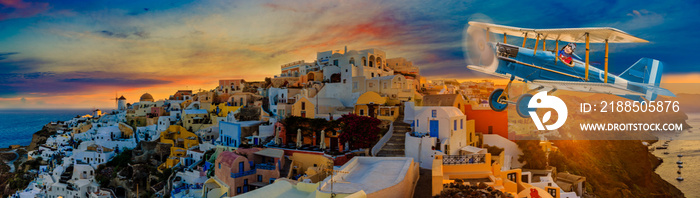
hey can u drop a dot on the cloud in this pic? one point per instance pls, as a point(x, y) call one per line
point(181, 44)
point(116, 81)
point(140, 34)
point(43, 84)
point(4, 56)
point(10, 9)
point(8, 63)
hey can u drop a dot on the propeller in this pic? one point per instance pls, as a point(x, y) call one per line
point(477, 49)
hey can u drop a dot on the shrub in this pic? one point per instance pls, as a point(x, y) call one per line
point(359, 131)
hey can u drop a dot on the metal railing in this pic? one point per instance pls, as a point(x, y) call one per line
point(265, 166)
point(377, 147)
point(464, 159)
point(244, 173)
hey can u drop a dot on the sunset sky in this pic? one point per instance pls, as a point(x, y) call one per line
point(65, 54)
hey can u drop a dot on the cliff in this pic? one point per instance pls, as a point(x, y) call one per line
point(39, 137)
point(613, 168)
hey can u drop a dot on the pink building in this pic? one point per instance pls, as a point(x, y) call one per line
point(247, 169)
point(227, 86)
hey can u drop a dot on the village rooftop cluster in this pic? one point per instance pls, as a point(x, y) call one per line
point(351, 123)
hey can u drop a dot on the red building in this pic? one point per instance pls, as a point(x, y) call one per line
point(180, 95)
point(488, 121)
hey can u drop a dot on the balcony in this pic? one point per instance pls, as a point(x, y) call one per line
point(265, 166)
point(464, 159)
point(244, 173)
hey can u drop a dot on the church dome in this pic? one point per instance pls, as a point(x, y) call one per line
point(146, 97)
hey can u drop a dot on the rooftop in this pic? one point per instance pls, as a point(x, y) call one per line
point(370, 174)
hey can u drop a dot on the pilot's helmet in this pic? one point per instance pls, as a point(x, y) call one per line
point(573, 46)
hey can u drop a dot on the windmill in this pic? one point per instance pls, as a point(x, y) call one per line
point(116, 100)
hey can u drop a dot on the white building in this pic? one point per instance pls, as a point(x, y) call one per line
point(163, 123)
point(448, 125)
point(147, 133)
point(342, 69)
point(376, 176)
point(230, 133)
point(121, 104)
point(112, 137)
point(511, 151)
point(92, 154)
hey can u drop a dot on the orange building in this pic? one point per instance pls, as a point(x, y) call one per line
point(488, 121)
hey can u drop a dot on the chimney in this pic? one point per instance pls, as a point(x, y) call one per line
point(346, 50)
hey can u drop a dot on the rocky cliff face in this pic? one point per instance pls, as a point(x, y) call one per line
point(40, 136)
point(614, 168)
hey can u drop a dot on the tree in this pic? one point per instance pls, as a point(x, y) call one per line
point(359, 131)
point(532, 154)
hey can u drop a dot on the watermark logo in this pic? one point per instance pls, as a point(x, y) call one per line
point(542, 100)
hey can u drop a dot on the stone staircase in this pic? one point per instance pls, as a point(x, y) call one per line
point(396, 145)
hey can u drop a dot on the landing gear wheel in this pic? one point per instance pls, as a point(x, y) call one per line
point(497, 100)
point(522, 105)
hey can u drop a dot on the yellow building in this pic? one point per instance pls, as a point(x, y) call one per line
point(215, 188)
point(477, 168)
point(126, 130)
point(196, 119)
point(303, 108)
point(548, 146)
point(85, 126)
point(314, 167)
point(181, 139)
point(223, 110)
point(374, 105)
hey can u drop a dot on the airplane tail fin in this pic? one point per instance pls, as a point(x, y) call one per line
point(644, 76)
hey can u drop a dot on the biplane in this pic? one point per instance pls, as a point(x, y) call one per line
point(544, 70)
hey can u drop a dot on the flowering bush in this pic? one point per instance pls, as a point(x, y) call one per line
point(359, 131)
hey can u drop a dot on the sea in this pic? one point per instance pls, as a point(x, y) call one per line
point(686, 143)
point(18, 125)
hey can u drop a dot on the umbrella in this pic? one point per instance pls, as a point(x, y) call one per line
point(277, 136)
point(323, 139)
point(299, 143)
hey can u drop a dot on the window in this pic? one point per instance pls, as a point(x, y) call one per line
point(245, 182)
point(354, 85)
point(417, 123)
point(303, 105)
point(461, 124)
point(335, 62)
point(259, 178)
point(455, 124)
point(434, 113)
point(372, 75)
point(362, 112)
point(219, 165)
point(238, 190)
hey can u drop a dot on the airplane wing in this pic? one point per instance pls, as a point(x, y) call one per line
point(575, 35)
point(589, 87)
